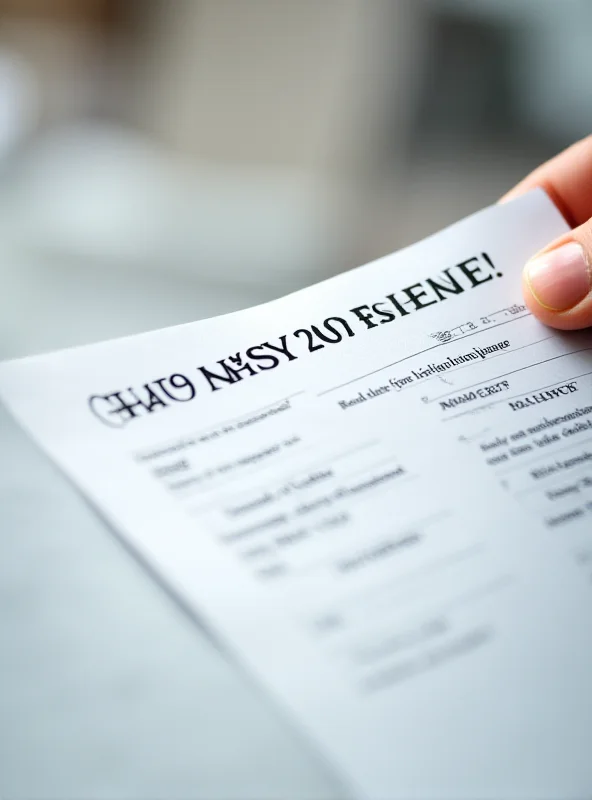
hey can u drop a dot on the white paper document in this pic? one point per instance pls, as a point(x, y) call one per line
point(377, 492)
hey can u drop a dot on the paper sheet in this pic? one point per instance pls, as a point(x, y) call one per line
point(377, 492)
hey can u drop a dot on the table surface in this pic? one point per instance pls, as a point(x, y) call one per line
point(107, 690)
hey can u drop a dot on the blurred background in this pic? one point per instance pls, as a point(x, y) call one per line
point(166, 160)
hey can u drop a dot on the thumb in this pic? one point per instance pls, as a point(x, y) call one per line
point(557, 281)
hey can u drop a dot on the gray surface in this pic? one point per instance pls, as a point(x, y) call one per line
point(107, 690)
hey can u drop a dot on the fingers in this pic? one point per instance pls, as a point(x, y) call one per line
point(567, 179)
point(557, 282)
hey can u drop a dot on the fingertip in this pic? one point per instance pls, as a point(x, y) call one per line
point(532, 303)
point(580, 316)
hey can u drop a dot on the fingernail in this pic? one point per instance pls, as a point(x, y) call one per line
point(561, 278)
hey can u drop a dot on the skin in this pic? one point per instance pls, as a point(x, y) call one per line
point(567, 179)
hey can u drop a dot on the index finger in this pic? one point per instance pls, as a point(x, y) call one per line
point(567, 179)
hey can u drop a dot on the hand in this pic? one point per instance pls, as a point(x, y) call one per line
point(557, 281)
